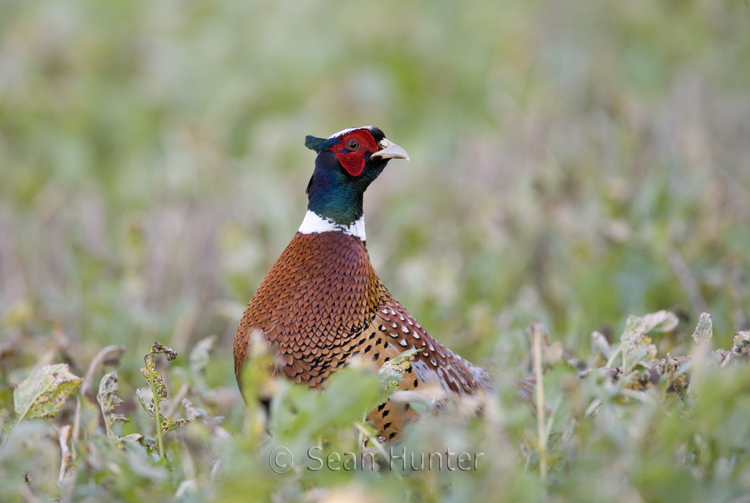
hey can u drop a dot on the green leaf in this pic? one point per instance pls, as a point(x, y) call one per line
point(658, 322)
point(391, 374)
point(43, 393)
point(704, 330)
point(740, 348)
point(108, 401)
point(199, 357)
point(150, 373)
point(637, 350)
point(3, 416)
point(600, 345)
point(165, 424)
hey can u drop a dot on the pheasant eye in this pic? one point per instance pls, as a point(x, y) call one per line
point(352, 145)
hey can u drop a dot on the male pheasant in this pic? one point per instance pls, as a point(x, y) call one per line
point(322, 304)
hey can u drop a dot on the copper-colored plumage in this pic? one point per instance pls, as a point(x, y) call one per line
point(322, 303)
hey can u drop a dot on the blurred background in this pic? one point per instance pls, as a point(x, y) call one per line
point(574, 162)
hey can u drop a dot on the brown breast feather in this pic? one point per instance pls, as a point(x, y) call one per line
point(321, 304)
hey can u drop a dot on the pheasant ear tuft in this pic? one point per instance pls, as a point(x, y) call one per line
point(314, 143)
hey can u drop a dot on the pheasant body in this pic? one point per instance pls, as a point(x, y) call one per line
point(322, 304)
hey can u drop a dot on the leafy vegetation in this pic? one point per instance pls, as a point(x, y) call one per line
point(575, 163)
point(638, 425)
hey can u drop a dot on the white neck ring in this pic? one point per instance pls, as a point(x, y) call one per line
point(315, 223)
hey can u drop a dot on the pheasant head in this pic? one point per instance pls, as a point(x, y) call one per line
point(347, 163)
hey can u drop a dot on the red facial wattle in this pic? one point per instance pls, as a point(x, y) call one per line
point(353, 161)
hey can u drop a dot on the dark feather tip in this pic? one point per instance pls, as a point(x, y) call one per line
point(314, 143)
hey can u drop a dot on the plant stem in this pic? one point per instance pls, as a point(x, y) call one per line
point(104, 415)
point(157, 417)
point(614, 356)
point(541, 430)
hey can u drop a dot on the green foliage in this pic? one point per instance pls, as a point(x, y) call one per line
point(199, 357)
point(391, 374)
point(635, 345)
point(108, 400)
point(44, 392)
point(605, 435)
point(160, 393)
point(705, 329)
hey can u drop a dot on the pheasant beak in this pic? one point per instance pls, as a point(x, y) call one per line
point(389, 150)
